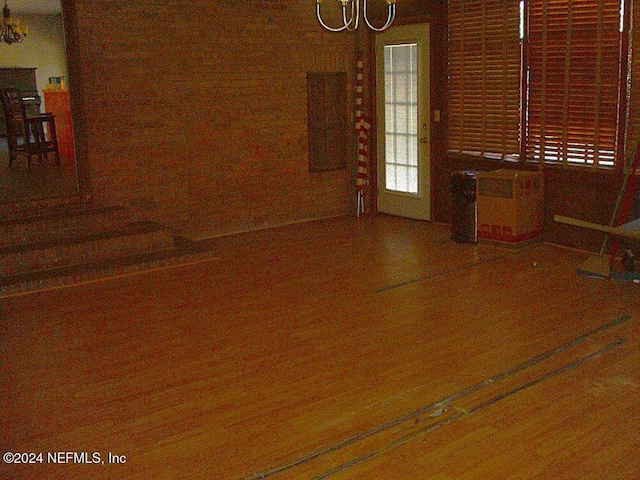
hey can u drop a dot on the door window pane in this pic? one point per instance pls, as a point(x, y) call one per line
point(401, 125)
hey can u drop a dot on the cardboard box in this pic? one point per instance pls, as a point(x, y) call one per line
point(509, 206)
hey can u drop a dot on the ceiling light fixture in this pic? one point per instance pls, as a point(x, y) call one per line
point(351, 15)
point(11, 32)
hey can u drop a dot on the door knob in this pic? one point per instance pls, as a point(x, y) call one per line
point(424, 140)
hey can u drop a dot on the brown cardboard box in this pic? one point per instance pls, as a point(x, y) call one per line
point(509, 206)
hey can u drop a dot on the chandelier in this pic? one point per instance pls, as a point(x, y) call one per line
point(351, 15)
point(11, 32)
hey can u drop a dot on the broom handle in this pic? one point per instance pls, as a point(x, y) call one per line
point(625, 206)
point(596, 226)
point(628, 169)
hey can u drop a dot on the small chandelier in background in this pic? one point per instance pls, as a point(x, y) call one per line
point(11, 32)
point(351, 15)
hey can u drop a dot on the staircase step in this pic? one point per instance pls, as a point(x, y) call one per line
point(184, 252)
point(123, 241)
point(59, 222)
point(60, 245)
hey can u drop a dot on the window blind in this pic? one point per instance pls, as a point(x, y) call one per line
point(484, 77)
point(574, 81)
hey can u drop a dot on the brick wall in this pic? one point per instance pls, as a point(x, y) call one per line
point(196, 111)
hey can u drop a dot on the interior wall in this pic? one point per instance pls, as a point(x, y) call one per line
point(43, 48)
point(196, 116)
point(196, 112)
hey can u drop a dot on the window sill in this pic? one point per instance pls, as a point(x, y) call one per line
point(511, 160)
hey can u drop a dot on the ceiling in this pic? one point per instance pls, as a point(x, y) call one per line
point(41, 7)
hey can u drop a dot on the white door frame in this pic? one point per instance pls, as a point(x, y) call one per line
point(411, 205)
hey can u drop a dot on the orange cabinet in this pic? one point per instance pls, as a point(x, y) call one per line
point(57, 102)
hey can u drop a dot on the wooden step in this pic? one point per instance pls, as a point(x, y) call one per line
point(59, 222)
point(136, 238)
point(183, 252)
point(58, 246)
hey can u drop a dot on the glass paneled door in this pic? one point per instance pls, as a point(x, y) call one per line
point(402, 63)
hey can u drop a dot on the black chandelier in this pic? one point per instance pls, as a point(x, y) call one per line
point(12, 31)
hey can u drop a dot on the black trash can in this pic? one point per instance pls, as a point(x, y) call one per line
point(463, 206)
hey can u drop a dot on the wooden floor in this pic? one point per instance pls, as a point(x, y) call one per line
point(19, 182)
point(343, 349)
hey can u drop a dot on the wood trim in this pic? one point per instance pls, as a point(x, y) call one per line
point(76, 81)
point(524, 61)
point(373, 132)
point(623, 105)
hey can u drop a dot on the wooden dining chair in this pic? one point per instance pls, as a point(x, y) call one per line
point(29, 134)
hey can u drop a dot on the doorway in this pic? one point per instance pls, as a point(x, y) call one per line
point(403, 111)
point(32, 67)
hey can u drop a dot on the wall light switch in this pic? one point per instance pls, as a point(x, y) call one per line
point(436, 115)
